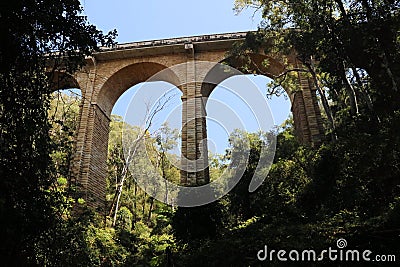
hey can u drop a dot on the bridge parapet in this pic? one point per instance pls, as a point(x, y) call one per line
point(178, 40)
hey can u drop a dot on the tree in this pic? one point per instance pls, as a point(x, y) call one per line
point(135, 145)
point(36, 36)
point(63, 118)
point(142, 225)
point(166, 140)
point(349, 48)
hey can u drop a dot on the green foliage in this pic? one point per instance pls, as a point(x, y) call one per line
point(30, 32)
point(311, 198)
point(63, 117)
point(80, 241)
point(124, 219)
point(143, 224)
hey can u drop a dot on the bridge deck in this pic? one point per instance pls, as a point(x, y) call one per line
point(179, 40)
point(210, 42)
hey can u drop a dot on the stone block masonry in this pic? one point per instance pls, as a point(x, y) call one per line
point(109, 73)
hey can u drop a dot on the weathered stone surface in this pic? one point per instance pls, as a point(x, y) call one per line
point(111, 72)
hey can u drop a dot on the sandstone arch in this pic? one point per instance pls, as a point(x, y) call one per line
point(304, 103)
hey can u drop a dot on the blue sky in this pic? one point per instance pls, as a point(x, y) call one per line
point(156, 19)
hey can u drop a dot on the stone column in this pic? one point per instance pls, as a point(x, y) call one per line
point(194, 163)
point(81, 157)
point(89, 163)
point(306, 113)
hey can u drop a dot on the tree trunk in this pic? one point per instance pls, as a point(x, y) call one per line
point(121, 184)
point(382, 55)
point(364, 92)
point(350, 91)
point(116, 205)
point(342, 9)
point(385, 65)
point(144, 203)
point(164, 175)
point(150, 209)
point(114, 199)
point(135, 204)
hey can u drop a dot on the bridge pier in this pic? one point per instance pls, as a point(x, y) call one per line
point(194, 158)
point(306, 113)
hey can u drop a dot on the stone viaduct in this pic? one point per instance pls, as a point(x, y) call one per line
point(109, 73)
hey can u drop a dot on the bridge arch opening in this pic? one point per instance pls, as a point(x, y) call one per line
point(224, 94)
point(255, 69)
point(255, 64)
point(105, 95)
point(131, 117)
point(63, 116)
point(303, 99)
point(60, 80)
point(129, 76)
point(227, 87)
